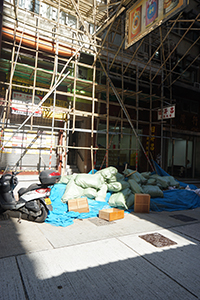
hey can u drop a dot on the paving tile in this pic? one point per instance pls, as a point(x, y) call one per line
point(180, 262)
point(191, 230)
point(105, 269)
point(86, 231)
point(18, 238)
point(10, 282)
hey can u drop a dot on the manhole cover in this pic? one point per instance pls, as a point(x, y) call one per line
point(183, 218)
point(157, 240)
point(4, 217)
point(100, 222)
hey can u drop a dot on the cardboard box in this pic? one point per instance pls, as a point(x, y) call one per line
point(142, 203)
point(111, 214)
point(80, 205)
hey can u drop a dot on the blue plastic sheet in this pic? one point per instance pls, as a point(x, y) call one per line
point(175, 200)
point(60, 216)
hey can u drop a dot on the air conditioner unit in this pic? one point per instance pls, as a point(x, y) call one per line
point(197, 85)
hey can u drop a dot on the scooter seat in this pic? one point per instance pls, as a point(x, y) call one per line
point(31, 187)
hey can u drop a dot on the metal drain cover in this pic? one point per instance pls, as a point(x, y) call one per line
point(100, 222)
point(157, 240)
point(183, 218)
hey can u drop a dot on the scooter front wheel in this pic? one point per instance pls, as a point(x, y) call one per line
point(42, 217)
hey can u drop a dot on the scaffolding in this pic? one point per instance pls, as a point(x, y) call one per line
point(65, 71)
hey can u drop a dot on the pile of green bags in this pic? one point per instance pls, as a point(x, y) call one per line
point(123, 186)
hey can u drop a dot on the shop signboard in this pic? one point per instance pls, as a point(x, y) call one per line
point(146, 15)
point(168, 113)
point(22, 104)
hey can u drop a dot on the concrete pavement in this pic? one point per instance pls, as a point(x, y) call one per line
point(101, 260)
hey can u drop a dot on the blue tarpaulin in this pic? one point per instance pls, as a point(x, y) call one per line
point(177, 199)
point(60, 216)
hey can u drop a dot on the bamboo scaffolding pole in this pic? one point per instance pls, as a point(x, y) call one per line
point(46, 33)
point(105, 38)
point(67, 139)
point(163, 50)
point(54, 78)
point(93, 78)
point(58, 82)
point(114, 93)
point(3, 124)
point(184, 20)
point(150, 104)
point(182, 57)
point(117, 53)
point(111, 19)
point(112, 41)
point(36, 64)
point(107, 103)
point(185, 69)
point(161, 146)
point(134, 54)
point(160, 45)
point(110, 142)
point(137, 117)
point(175, 46)
point(122, 82)
point(13, 64)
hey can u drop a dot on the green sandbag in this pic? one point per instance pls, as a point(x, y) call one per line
point(128, 171)
point(151, 181)
point(101, 194)
point(146, 174)
point(72, 191)
point(135, 187)
point(89, 180)
point(173, 182)
point(138, 178)
point(107, 173)
point(130, 200)
point(153, 190)
point(125, 184)
point(66, 178)
point(159, 185)
point(112, 179)
point(119, 176)
point(119, 199)
point(90, 193)
point(163, 181)
point(114, 186)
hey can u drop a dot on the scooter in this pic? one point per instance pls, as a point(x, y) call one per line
point(33, 201)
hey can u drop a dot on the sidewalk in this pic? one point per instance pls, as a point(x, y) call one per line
point(94, 259)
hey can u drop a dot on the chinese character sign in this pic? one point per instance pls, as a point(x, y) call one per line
point(168, 113)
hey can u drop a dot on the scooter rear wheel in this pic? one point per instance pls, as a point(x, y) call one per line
point(43, 215)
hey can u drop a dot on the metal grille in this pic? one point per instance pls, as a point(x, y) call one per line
point(157, 240)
